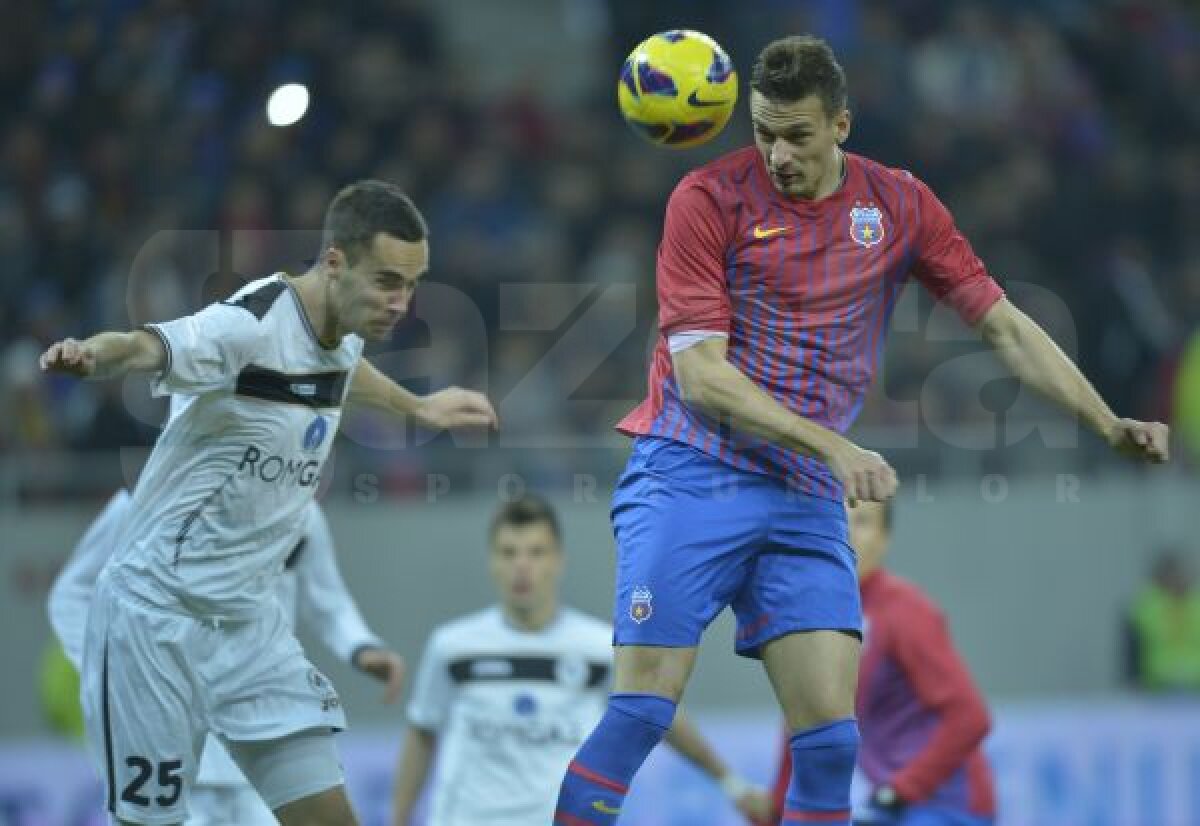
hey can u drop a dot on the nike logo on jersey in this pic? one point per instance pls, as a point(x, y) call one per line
point(695, 101)
point(761, 233)
point(604, 809)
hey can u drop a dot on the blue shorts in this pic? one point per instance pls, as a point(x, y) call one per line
point(695, 534)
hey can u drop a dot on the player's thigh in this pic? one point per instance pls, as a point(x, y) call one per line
point(814, 675)
point(659, 670)
point(299, 775)
point(140, 711)
point(686, 528)
point(328, 808)
point(225, 805)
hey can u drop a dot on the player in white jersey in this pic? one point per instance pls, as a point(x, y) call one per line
point(505, 696)
point(184, 636)
point(314, 597)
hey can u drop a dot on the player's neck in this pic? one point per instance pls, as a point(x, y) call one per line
point(534, 618)
point(834, 177)
point(315, 298)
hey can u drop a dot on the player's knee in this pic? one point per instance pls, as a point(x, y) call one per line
point(818, 701)
point(819, 705)
point(660, 671)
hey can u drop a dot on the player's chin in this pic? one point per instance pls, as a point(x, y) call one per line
point(377, 331)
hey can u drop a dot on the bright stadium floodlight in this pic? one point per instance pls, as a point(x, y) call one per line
point(287, 104)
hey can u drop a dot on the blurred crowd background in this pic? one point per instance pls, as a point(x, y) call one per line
point(139, 178)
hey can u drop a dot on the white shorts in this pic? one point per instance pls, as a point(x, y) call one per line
point(155, 683)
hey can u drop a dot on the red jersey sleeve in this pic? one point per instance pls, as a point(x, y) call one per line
point(924, 650)
point(945, 262)
point(692, 293)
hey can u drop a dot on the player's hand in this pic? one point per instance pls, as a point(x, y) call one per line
point(70, 356)
point(886, 801)
point(1140, 440)
point(384, 665)
point(755, 805)
point(455, 407)
point(866, 476)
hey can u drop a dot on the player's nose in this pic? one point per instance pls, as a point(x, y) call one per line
point(398, 303)
point(781, 154)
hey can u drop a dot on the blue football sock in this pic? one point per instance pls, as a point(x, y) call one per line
point(822, 768)
point(598, 778)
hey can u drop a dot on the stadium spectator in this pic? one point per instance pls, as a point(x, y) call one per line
point(1164, 629)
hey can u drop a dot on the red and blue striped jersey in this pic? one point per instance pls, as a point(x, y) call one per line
point(804, 291)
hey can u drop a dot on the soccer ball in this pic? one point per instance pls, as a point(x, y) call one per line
point(677, 88)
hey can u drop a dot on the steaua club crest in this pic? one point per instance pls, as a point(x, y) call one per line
point(640, 608)
point(866, 225)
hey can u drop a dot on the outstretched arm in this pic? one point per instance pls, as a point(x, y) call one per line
point(105, 355)
point(752, 801)
point(450, 408)
point(1037, 361)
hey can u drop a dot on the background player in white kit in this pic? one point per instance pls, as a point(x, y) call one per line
point(505, 696)
point(314, 597)
point(184, 636)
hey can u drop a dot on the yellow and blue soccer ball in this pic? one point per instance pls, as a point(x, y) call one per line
point(677, 88)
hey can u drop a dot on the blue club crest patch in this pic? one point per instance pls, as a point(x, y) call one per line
point(866, 226)
point(640, 607)
point(525, 705)
point(315, 434)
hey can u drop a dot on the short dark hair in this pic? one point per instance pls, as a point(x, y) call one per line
point(792, 68)
point(363, 210)
point(528, 509)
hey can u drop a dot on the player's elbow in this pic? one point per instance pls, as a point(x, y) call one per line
point(696, 378)
point(1001, 326)
point(978, 720)
point(693, 387)
point(145, 350)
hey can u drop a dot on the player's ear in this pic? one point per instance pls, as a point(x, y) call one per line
point(841, 125)
point(334, 260)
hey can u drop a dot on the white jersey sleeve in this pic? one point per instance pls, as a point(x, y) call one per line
point(433, 692)
point(71, 594)
point(206, 351)
point(324, 607)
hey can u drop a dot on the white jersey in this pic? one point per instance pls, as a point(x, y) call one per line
point(219, 504)
point(311, 590)
point(509, 709)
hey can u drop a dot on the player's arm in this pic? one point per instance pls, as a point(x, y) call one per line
point(412, 771)
point(450, 408)
point(711, 383)
point(1037, 361)
point(752, 801)
point(325, 608)
point(694, 304)
point(71, 594)
point(432, 696)
point(105, 355)
point(925, 652)
point(949, 268)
